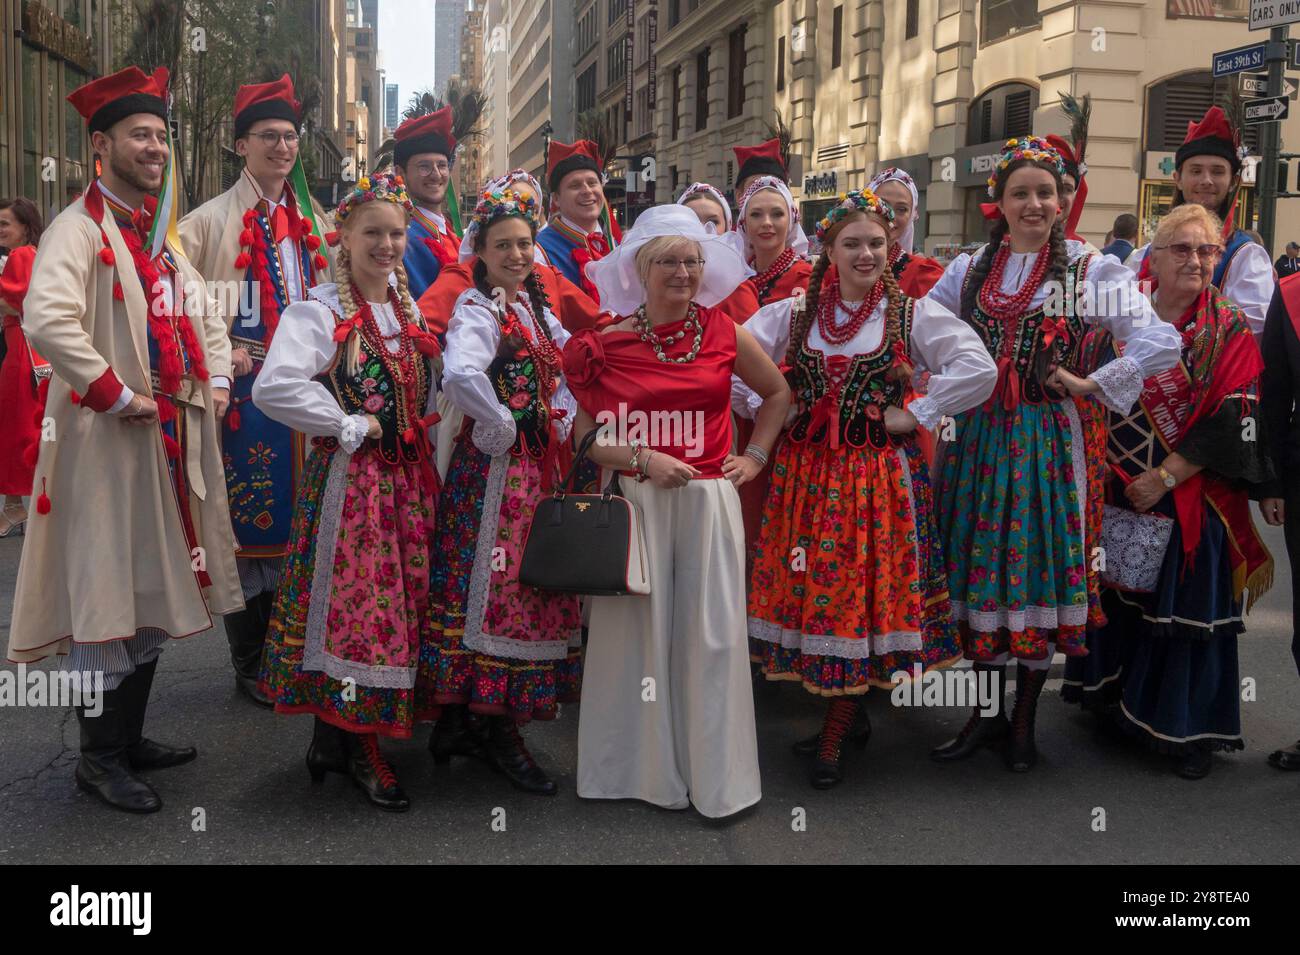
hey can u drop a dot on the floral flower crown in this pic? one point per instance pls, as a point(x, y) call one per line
point(859, 200)
point(384, 186)
point(1033, 148)
point(499, 202)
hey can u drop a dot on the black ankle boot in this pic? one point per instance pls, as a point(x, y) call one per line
point(328, 751)
point(104, 770)
point(373, 775)
point(858, 736)
point(1022, 754)
point(458, 732)
point(141, 752)
point(840, 716)
point(507, 754)
point(1196, 763)
point(980, 730)
point(246, 634)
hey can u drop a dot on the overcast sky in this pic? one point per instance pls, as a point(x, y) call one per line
point(406, 46)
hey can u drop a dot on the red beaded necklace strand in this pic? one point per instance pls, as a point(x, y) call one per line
point(836, 334)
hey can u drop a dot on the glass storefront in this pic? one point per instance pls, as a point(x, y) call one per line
point(1157, 197)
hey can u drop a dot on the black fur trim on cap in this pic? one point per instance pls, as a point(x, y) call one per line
point(567, 165)
point(428, 143)
point(120, 109)
point(1208, 146)
point(761, 166)
point(267, 109)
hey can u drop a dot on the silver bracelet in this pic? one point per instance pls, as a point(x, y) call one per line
point(757, 453)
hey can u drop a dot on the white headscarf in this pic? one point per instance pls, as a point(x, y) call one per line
point(704, 189)
point(893, 174)
point(794, 239)
point(619, 284)
point(471, 230)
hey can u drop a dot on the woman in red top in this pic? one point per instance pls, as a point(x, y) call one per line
point(22, 402)
point(667, 704)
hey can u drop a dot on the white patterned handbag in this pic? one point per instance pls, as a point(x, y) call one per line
point(1133, 548)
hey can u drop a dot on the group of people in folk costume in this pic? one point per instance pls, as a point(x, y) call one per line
point(898, 464)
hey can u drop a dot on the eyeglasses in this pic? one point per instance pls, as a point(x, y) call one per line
point(672, 265)
point(1182, 251)
point(429, 168)
point(270, 139)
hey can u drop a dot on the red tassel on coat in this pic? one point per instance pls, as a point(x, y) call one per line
point(43, 504)
point(320, 263)
point(117, 291)
point(246, 237)
point(106, 256)
point(242, 260)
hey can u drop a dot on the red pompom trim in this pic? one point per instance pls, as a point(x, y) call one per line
point(242, 260)
point(170, 446)
point(106, 256)
point(117, 292)
point(250, 216)
point(304, 227)
point(320, 263)
point(313, 242)
point(43, 505)
point(246, 237)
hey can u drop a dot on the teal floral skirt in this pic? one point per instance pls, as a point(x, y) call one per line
point(1011, 500)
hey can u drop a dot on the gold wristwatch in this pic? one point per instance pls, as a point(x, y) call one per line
point(1169, 479)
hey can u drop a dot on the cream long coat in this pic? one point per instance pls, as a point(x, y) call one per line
point(111, 556)
point(210, 234)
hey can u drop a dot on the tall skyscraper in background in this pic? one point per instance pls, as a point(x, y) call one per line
point(390, 105)
point(448, 25)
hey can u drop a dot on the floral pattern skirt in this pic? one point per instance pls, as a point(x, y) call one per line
point(848, 587)
point(355, 654)
point(1012, 499)
point(502, 648)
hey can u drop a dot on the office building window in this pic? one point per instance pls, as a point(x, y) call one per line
point(913, 19)
point(780, 64)
point(675, 109)
point(702, 89)
point(837, 37)
point(1002, 18)
point(736, 72)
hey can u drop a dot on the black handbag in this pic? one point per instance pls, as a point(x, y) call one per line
point(586, 543)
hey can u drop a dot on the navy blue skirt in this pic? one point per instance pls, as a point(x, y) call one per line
point(1168, 660)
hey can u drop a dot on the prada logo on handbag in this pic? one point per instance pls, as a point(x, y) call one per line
point(582, 505)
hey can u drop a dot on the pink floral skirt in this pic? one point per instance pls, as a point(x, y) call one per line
point(500, 647)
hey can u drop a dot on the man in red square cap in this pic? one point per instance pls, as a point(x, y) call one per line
point(1208, 172)
point(131, 542)
point(761, 160)
point(261, 241)
point(581, 230)
point(424, 153)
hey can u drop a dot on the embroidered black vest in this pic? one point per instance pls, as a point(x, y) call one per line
point(865, 391)
point(371, 390)
point(1028, 355)
point(514, 378)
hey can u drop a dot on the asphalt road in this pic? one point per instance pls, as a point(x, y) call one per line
point(895, 805)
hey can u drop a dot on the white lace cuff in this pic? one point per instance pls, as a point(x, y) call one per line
point(1121, 383)
point(926, 412)
point(493, 439)
point(353, 432)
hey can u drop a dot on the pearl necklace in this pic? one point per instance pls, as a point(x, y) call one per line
point(641, 324)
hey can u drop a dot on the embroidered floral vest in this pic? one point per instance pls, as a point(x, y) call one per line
point(518, 386)
point(857, 384)
point(371, 390)
point(1028, 356)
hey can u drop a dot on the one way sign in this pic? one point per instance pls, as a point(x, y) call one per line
point(1256, 84)
point(1267, 110)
